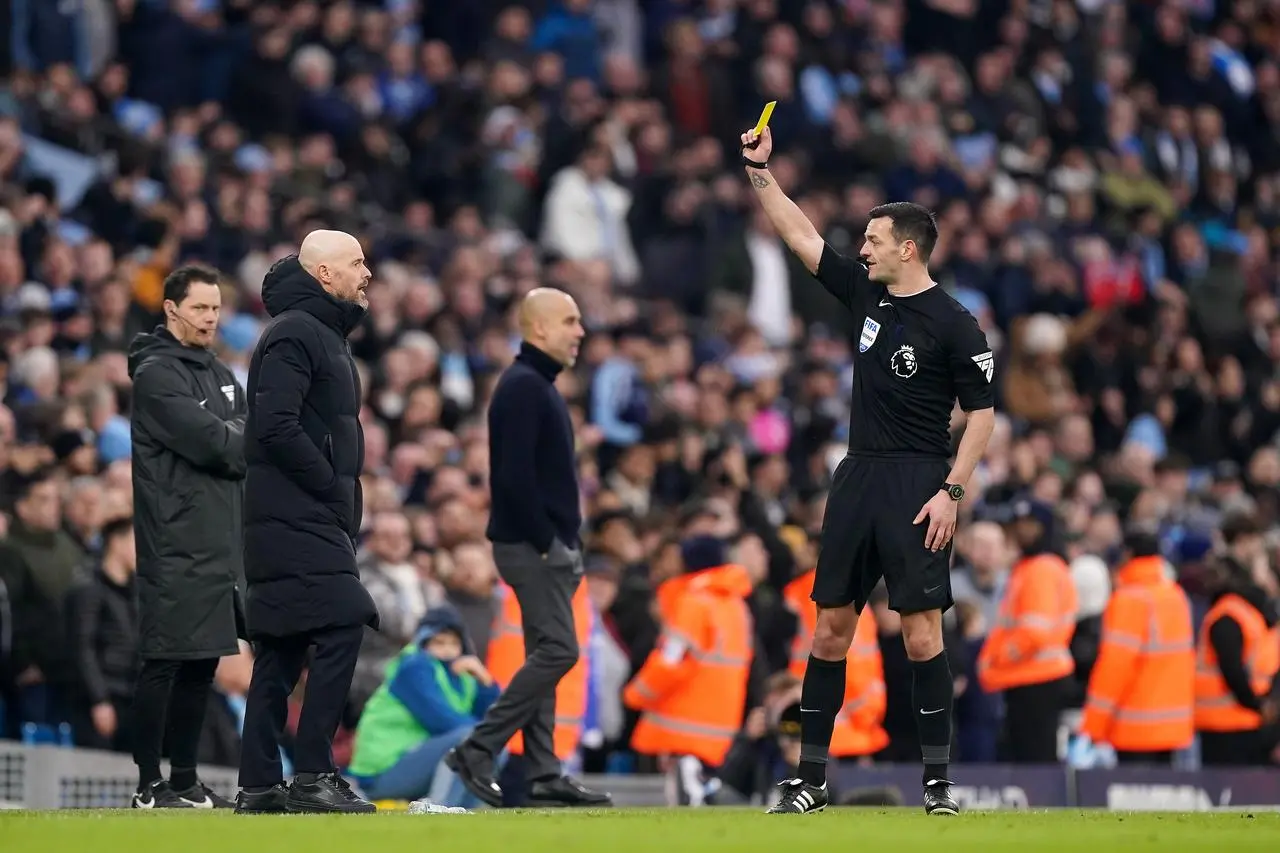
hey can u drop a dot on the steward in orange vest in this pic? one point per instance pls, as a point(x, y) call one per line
point(1027, 655)
point(1141, 690)
point(1237, 658)
point(506, 656)
point(859, 728)
point(692, 691)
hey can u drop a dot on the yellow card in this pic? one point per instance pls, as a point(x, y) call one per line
point(764, 117)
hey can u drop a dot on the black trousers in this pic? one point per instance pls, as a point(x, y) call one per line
point(545, 590)
point(1159, 758)
point(277, 667)
point(170, 700)
point(1238, 749)
point(1031, 722)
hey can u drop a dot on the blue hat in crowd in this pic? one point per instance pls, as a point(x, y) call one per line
point(440, 619)
point(240, 332)
point(113, 441)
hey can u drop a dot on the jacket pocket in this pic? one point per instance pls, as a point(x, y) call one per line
point(338, 501)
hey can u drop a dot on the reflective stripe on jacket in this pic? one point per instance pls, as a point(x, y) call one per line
point(692, 690)
point(1216, 709)
point(1031, 640)
point(1141, 690)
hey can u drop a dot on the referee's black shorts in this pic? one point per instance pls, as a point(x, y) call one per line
point(867, 534)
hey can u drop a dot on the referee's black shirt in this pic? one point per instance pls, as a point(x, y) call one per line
point(914, 357)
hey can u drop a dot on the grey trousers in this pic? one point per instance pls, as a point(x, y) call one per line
point(544, 588)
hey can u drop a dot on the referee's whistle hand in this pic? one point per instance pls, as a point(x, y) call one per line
point(941, 513)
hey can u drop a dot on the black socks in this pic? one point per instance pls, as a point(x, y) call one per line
point(933, 692)
point(820, 700)
point(180, 779)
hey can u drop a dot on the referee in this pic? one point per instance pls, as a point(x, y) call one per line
point(894, 499)
point(534, 524)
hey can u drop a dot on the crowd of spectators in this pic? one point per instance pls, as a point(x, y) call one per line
point(1106, 178)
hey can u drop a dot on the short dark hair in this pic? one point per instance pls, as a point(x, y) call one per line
point(1142, 539)
point(912, 222)
point(178, 283)
point(1240, 525)
point(24, 484)
point(116, 527)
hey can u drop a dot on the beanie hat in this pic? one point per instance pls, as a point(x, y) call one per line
point(702, 552)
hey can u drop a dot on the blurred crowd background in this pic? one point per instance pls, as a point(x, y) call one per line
point(1106, 178)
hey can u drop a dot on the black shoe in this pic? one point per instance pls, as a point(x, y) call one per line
point(158, 795)
point(566, 792)
point(200, 796)
point(474, 778)
point(799, 797)
point(938, 799)
point(274, 800)
point(329, 793)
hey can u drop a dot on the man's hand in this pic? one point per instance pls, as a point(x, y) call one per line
point(941, 512)
point(104, 719)
point(29, 676)
point(757, 148)
point(471, 665)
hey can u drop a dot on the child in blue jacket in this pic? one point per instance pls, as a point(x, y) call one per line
point(433, 695)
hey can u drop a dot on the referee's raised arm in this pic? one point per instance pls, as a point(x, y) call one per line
point(837, 273)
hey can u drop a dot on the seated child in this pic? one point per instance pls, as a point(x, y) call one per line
point(433, 695)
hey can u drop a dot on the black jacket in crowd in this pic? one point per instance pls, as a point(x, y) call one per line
point(31, 625)
point(103, 618)
point(305, 449)
point(533, 475)
point(188, 487)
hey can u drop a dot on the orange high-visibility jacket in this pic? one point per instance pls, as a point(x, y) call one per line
point(1216, 708)
point(859, 728)
point(506, 656)
point(692, 690)
point(1031, 640)
point(1142, 688)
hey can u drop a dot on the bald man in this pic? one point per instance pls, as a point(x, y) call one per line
point(534, 523)
point(303, 504)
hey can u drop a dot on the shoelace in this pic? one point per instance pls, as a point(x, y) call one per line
point(792, 789)
point(343, 786)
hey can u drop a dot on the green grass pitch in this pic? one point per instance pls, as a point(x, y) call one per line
point(637, 831)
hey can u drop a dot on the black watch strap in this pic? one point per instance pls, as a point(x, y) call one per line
point(752, 164)
point(955, 492)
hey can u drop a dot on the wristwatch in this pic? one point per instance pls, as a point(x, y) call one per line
point(953, 491)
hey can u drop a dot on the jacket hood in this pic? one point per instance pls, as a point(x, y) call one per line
point(443, 619)
point(289, 287)
point(730, 580)
point(1142, 570)
point(147, 346)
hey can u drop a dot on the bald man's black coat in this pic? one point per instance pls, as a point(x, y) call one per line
point(305, 449)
